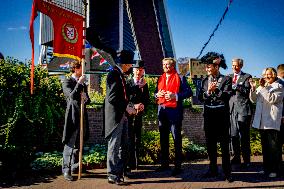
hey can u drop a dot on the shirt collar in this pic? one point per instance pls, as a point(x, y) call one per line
point(73, 76)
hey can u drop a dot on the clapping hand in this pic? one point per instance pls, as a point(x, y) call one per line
point(212, 86)
point(161, 93)
point(170, 96)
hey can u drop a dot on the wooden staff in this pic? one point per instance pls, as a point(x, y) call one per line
point(82, 100)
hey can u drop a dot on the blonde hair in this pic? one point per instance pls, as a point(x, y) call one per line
point(171, 60)
point(273, 71)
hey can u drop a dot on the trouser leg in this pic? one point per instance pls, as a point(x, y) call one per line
point(236, 147)
point(244, 127)
point(131, 137)
point(70, 159)
point(176, 133)
point(116, 153)
point(164, 142)
point(138, 128)
point(226, 165)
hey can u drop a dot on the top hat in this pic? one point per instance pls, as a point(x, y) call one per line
point(126, 57)
point(138, 64)
point(214, 58)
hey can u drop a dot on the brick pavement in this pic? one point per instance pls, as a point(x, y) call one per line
point(148, 178)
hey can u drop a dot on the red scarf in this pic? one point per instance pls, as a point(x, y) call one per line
point(172, 86)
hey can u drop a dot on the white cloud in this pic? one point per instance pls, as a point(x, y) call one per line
point(17, 28)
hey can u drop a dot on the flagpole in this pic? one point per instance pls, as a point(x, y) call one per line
point(82, 100)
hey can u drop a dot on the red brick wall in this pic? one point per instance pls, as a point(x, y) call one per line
point(192, 126)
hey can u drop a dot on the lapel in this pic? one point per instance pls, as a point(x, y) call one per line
point(241, 79)
point(220, 81)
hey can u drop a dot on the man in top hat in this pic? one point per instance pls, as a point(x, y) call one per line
point(215, 94)
point(170, 92)
point(138, 92)
point(240, 113)
point(116, 107)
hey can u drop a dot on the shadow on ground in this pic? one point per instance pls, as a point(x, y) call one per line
point(192, 172)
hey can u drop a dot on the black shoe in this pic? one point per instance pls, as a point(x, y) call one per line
point(68, 176)
point(210, 174)
point(236, 161)
point(162, 168)
point(117, 181)
point(176, 171)
point(229, 178)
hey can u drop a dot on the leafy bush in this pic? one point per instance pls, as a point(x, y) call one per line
point(92, 156)
point(150, 148)
point(95, 155)
point(255, 142)
point(47, 161)
point(29, 120)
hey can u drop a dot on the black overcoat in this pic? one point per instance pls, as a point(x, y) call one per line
point(115, 101)
point(72, 92)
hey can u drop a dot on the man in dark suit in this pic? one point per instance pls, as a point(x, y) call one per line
point(170, 92)
point(74, 90)
point(215, 94)
point(240, 114)
point(138, 92)
point(116, 106)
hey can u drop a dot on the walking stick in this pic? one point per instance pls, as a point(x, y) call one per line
point(81, 128)
point(82, 100)
point(81, 139)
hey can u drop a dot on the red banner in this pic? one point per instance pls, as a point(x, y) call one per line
point(68, 31)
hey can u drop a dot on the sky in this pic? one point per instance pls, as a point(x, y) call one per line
point(251, 30)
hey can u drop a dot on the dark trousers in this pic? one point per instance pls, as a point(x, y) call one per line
point(167, 125)
point(70, 160)
point(241, 142)
point(271, 152)
point(117, 150)
point(134, 137)
point(216, 126)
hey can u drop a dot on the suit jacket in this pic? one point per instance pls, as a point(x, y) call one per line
point(222, 94)
point(137, 95)
point(115, 101)
point(185, 91)
point(72, 92)
point(239, 100)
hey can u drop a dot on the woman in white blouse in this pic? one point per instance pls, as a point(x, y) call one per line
point(268, 113)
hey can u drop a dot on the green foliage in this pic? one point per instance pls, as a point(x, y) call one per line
point(150, 113)
point(255, 142)
point(150, 148)
point(47, 161)
point(96, 154)
point(93, 155)
point(29, 120)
